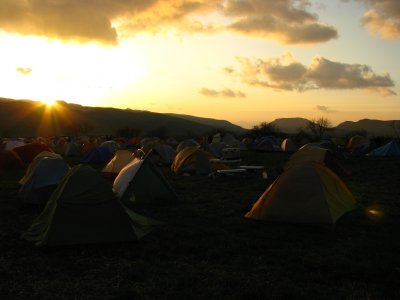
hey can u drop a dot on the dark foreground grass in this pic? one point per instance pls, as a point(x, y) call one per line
point(207, 250)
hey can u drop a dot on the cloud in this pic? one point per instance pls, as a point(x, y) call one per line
point(24, 71)
point(382, 18)
point(286, 21)
point(324, 109)
point(286, 74)
point(226, 93)
point(105, 21)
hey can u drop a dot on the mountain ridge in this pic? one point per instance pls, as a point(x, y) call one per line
point(30, 118)
point(25, 118)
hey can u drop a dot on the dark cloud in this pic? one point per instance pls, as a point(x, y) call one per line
point(284, 73)
point(226, 93)
point(287, 21)
point(24, 71)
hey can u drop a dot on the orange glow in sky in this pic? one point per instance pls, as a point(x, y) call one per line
point(217, 59)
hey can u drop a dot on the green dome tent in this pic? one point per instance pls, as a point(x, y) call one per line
point(84, 210)
point(140, 181)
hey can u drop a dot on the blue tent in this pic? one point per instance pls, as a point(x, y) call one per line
point(43, 179)
point(390, 149)
point(98, 155)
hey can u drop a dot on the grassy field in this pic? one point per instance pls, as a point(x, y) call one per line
point(207, 250)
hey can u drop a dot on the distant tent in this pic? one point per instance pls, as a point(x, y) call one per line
point(288, 146)
point(9, 145)
point(306, 193)
point(72, 149)
point(117, 163)
point(312, 153)
point(163, 154)
point(331, 146)
point(268, 143)
point(98, 155)
point(231, 141)
point(41, 179)
point(83, 210)
point(28, 152)
point(148, 143)
point(186, 143)
point(359, 145)
point(214, 148)
point(112, 146)
point(87, 146)
point(390, 149)
point(192, 160)
point(135, 141)
point(140, 181)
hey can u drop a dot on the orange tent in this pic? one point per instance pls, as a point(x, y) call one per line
point(305, 193)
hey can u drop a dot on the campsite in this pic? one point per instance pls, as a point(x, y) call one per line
point(202, 245)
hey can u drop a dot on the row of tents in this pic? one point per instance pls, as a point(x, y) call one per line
point(84, 205)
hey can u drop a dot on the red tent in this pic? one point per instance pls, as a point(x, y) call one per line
point(28, 152)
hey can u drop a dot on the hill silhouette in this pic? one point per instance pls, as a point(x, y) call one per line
point(372, 127)
point(366, 127)
point(290, 125)
point(33, 118)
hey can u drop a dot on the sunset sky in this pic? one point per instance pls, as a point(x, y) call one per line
point(246, 61)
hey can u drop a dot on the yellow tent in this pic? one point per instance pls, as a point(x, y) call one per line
point(312, 153)
point(118, 162)
point(191, 159)
point(305, 193)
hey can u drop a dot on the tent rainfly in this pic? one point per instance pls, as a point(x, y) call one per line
point(84, 210)
point(140, 181)
point(305, 193)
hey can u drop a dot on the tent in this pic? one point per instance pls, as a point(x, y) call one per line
point(359, 145)
point(117, 163)
point(42, 177)
point(288, 146)
point(163, 154)
point(186, 143)
point(98, 155)
point(312, 153)
point(9, 145)
point(268, 143)
point(29, 151)
point(214, 148)
point(112, 146)
point(306, 193)
point(140, 181)
point(390, 149)
point(35, 161)
point(84, 210)
point(72, 149)
point(231, 141)
point(191, 159)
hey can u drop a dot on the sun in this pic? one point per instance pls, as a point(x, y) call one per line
point(49, 102)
